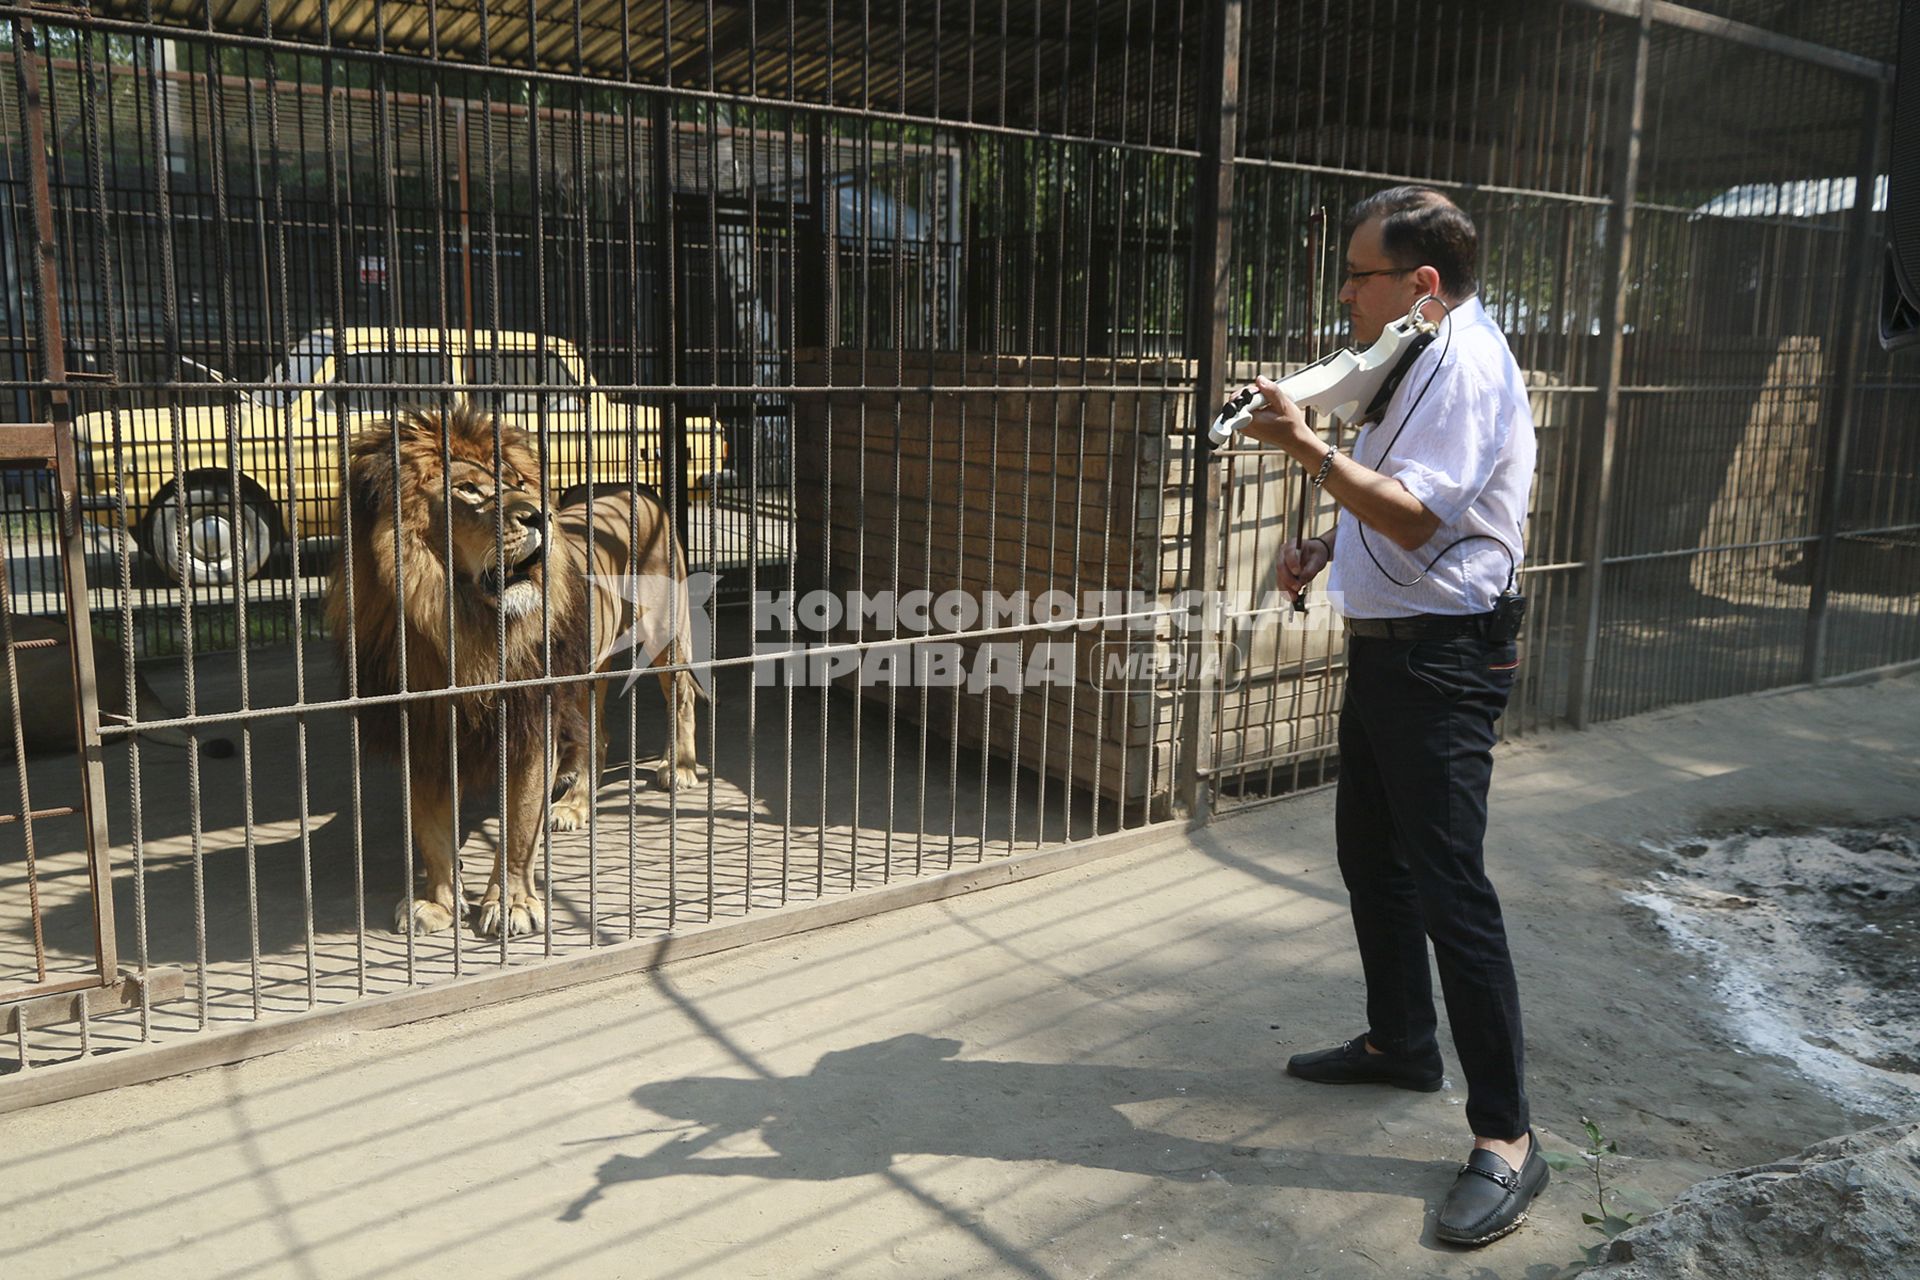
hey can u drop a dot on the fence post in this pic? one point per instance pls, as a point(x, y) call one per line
point(1597, 448)
point(53, 376)
point(1840, 398)
point(672, 468)
point(1207, 312)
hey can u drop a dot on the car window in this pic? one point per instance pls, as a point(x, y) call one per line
point(522, 379)
point(303, 366)
point(398, 377)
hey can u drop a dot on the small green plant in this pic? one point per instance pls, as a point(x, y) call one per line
point(1614, 1215)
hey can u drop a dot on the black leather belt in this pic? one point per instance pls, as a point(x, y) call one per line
point(1421, 626)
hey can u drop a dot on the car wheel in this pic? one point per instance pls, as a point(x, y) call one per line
point(218, 548)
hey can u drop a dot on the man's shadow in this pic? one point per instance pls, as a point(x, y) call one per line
point(860, 1108)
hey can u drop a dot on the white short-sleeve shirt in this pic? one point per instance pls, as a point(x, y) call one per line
point(1467, 454)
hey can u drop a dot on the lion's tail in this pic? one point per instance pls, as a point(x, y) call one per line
point(683, 649)
point(683, 652)
point(151, 708)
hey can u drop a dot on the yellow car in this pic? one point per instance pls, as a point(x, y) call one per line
point(175, 465)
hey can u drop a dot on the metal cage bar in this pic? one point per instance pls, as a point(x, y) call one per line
point(879, 302)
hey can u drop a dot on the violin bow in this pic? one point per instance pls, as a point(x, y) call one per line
point(1316, 225)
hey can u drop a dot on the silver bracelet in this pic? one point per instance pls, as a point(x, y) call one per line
point(1326, 468)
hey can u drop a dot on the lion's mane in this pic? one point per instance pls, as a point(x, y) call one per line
point(380, 611)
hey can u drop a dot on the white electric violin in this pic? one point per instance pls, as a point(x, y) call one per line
point(1344, 383)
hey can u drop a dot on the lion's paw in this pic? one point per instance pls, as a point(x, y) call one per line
point(570, 812)
point(419, 916)
point(670, 778)
point(523, 916)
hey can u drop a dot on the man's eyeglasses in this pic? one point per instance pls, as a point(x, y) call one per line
point(1354, 277)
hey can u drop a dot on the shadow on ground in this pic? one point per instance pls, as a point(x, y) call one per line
point(860, 1108)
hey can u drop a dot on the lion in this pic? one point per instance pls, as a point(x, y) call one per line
point(640, 607)
point(491, 543)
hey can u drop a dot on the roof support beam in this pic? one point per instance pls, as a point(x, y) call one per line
point(1711, 24)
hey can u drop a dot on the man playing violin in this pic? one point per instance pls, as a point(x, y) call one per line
point(1424, 559)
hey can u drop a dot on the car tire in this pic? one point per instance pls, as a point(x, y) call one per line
point(218, 550)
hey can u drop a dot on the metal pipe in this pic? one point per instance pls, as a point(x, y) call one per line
point(1722, 28)
point(1601, 445)
point(1840, 406)
point(1208, 313)
point(59, 406)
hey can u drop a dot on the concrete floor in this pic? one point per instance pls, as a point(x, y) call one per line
point(270, 881)
point(1077, 1076)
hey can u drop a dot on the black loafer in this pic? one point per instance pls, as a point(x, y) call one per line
point(1350, 1063)
point(1488, 1198)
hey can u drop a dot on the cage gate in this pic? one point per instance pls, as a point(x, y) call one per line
point(51, 996)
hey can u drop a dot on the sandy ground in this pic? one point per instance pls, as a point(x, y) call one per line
point(1079, 1076)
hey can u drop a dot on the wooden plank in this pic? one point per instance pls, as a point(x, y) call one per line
point(849, 365)
point(1150, 515)
point(945, 556)
point(983, 462)
point(985, 457)
point(986, 454)
point(1105, 715)
point(1279, 699)
point(1125, 770)
point(1254, 748)
point(918, 479)
point(972, 552)
point(1031, 482)
point(1042, 513)
point(29, 444)
point(951, 555)
point(1003, 410)
point(1131, 726)
point(53, 1010)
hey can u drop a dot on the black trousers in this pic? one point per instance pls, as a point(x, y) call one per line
point(1416, 754)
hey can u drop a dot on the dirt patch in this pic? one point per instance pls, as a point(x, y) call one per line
point(1813, 938)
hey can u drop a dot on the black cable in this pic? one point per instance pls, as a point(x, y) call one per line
point(1405, 418)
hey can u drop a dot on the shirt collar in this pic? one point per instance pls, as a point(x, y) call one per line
point(1465, 313)
point(1468, 313)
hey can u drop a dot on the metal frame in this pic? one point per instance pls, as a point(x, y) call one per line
point(1684, 18)
point(51, 445)
point(1210, 311)
point(1838, 397)
point(1603, 445)
point(1120, 233)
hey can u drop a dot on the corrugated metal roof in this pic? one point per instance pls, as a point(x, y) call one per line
point(1502, 92)
point(955, 61)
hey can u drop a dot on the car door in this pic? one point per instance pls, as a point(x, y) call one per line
point(293, 454)
point(622, 440)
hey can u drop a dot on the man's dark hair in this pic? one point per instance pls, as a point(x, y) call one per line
point(1420, 227)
